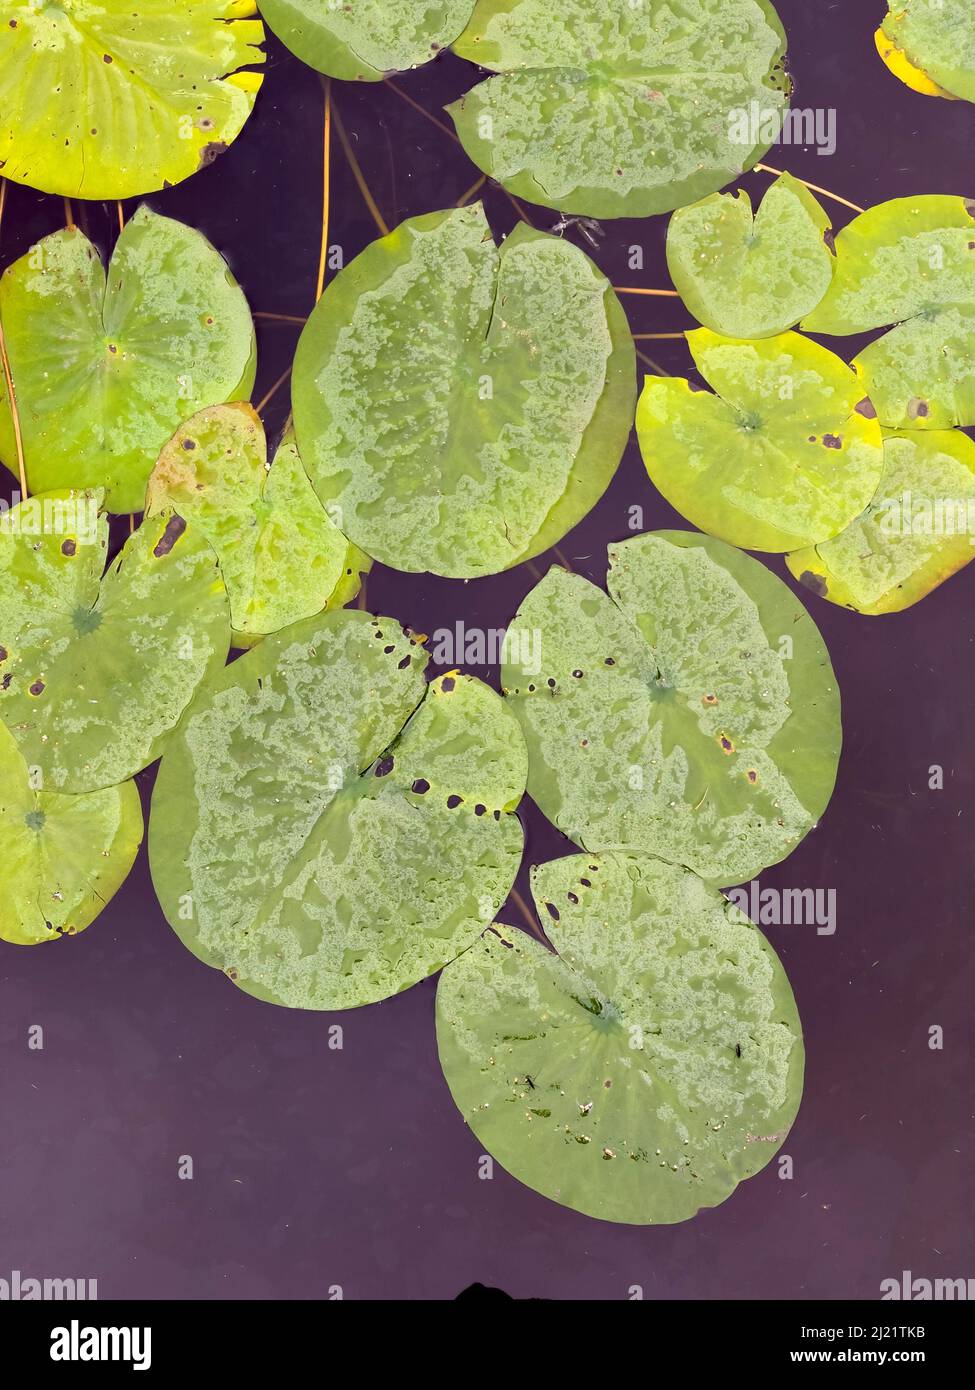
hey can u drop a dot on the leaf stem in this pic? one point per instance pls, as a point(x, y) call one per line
point(465, 198)
point(121, 216)
point(8, 378)
point(533, 924)
point(631, 289)
point(357, 173)
point(422, 110)
point(68, 215)
point(645, 337)
point(854, 207)
point(273, 391)
point(326, 187)
point(278, 318)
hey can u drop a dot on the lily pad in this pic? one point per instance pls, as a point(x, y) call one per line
point(648, 1068)
point(692, 713)
point(617, 109)
point(751, 275)
point(105, 369)
point(930, 45)
point(917, 532)
point(101, 101)
point(786, 454)
point(64, 857)
point(362, 40)
point(921, 375)
point(95, 672)
point(326, 828)
point(906, 257)
point(282, 556)
point(463, 406)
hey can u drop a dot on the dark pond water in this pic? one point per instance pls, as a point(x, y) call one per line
point(315, 1167)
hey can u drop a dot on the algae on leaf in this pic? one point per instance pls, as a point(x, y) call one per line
point(916, 533)
point(463, 406)
point(64, 857)
point(95, 672)
point(105, 367)
point(785, 454)
point(692, 713)
point(282, 556)
point(326, 828)
point(362, 40)
point(751, 275)
point(644, 1071)
point(621, 109)
point(930, 46)
point(108, 100)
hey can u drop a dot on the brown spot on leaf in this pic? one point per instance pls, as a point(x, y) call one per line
point(830, 239)
point(3, 653)
point(816, 582)
point(210, 152)
point(726, 744)
point(918, 409)
point(37, 688)
point(68, 547)
point(832, 441)
point(447, 684)
point(175, 527)
point(866, 408)
point(385, 766)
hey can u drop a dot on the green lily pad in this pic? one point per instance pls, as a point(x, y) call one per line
point(648, 1068)
point(95, 672)
point(930, 45)
point(64, 857)
point(921, 375)
point(751, 275)
point(282, 556)
point(101, 101)
point(907, 257)
point(621, 109)
point(328, 829)
point(105, 369)
point(463, 406)
point(691, 714)
point(917, 532)
point(362, 40)
point(786, 454)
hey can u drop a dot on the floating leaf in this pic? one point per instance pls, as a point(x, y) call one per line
point(364, 39)
point(751, 276)
point(921, 375)
point(692, 714)
point(95, 672)
point(463, 406)
point(786, 454)
point(917, 532)
point(896, 260)
point(326, 828)
point(281, 555)
point(644, 1071)
point(64, 857)
point(101, 101)
point(621, 110)
point(105, 369)
point(930, 45)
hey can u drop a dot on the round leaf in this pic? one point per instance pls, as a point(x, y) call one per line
point(94, 675)
point(644, 1071)
point(281, 555)
point(692, 713)
point(621, 110)
point(905, 257)
point(751, 276)
point(64, 857)
point(921, 375)
point(930, 45)
point(105, 369)
point(786, 454)
point(916, 533)
point(463, 406)
point(326, 828)
point(101, 101)
point(364, 39)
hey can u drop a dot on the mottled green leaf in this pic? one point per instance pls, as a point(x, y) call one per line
point(930, 45)
point(95, 672)
point(785, 454)
point(364, 39)
point(621, 110)
point(692, 714)
point(463, 406)
point(644, 1071)
point(282, 556)
point(105, 369)
point(921, 375)
point(326, 828)
point(64, 857)
point(101, 100)
point(917, 532)
point(751, 275)
point(899, 259)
